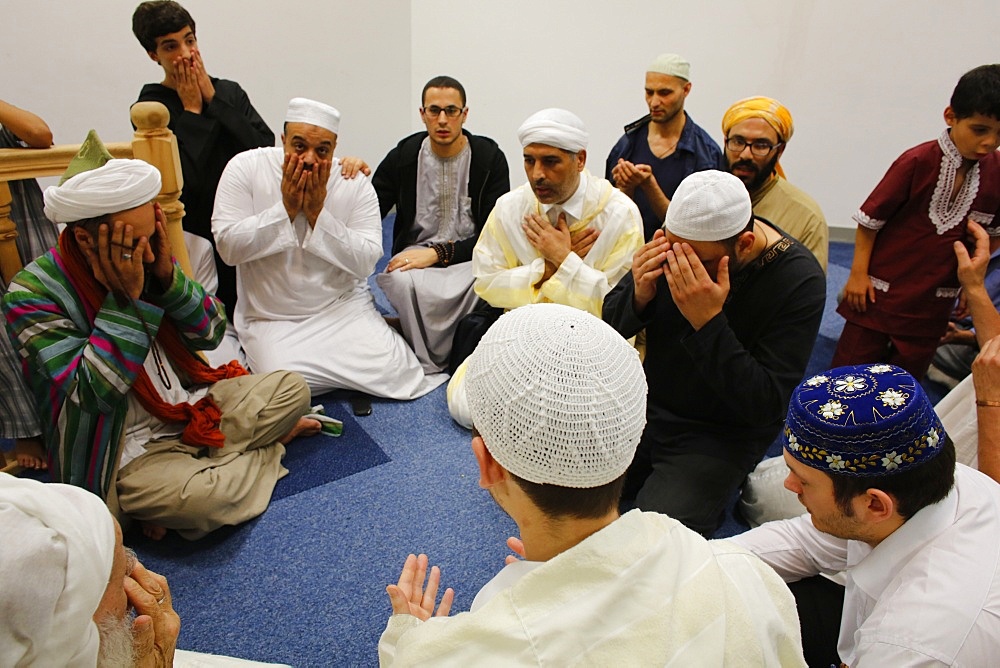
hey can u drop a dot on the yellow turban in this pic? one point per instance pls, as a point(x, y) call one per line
point(773, 112)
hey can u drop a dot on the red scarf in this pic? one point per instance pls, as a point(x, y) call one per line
point(202, 419)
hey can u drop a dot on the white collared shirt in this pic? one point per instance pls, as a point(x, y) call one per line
point(573, 206)
point(929, 594)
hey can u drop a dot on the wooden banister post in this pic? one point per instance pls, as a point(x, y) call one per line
point(156, 144)
point(10, 259)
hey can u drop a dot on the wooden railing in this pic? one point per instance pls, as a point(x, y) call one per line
point(153, 142)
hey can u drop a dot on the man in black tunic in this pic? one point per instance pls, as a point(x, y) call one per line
point(731, 307)
point(212, 118)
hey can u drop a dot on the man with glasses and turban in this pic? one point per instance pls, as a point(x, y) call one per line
point(444, 183)
point(757, 130)
point(108, 328)
point(566, 236)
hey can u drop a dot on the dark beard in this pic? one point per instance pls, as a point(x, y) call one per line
point(761, 174)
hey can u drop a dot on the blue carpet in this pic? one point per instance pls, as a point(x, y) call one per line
point(322, 459)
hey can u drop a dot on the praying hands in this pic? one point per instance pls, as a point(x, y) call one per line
point(408, 596)
point(303, 187)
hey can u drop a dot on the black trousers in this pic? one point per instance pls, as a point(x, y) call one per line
point(676, 477)
point(820, 603)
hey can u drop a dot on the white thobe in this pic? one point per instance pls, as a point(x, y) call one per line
point(927, 595)
point(303, 299)
point(643, 591)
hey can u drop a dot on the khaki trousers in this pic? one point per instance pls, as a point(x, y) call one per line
point(197, 490)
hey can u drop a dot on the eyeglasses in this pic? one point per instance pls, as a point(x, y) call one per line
point(451, 111)
point(758, 147)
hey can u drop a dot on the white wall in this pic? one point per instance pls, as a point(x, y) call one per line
point(864, 80)
point(78, 65)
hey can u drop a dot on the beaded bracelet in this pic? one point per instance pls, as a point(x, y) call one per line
point(445, 252)
point(988, 403)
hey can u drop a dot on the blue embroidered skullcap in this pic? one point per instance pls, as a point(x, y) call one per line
point(866, 420)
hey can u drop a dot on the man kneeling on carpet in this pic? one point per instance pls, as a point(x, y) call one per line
point(107, 326)
point(558, 400)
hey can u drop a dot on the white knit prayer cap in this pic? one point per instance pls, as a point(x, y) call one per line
point(558, 396)
point(671, 64)
point(55, 562)
point(708, 206)
point(554, 127)
point(118, 185)
point(304, 110)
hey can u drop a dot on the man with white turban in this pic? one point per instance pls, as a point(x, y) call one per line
point(71, 593)
point(731, 308)
point(558, 401)
point(756, 132)
point(66, 581)
point(304, 240)
point(664, 146)
point(108, 326)
point(566, 236)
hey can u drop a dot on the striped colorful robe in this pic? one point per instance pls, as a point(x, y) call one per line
point(80, 365)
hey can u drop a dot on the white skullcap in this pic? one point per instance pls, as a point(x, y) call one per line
point(119, 185)
point(304, 110)
point(55, 562)
point(554, 127)
point(708, 206)
point(558, 396)
point(672, 64)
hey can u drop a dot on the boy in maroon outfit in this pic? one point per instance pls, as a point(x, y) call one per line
point(903, 282)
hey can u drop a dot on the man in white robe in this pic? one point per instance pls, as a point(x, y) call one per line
point(67, 584)
point(566, 236)
point(558, 399)
point(304, 240)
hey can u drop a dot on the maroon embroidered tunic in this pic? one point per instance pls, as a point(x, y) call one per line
point(913, 265)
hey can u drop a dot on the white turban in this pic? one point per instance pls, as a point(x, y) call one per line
point(558, 396)
point(117, 186)
point(303, 110)
point(554, 127)
point(55, 561)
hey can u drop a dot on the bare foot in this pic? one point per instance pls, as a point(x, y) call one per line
point(153, 531)
point(304, 427)
point(30, 453)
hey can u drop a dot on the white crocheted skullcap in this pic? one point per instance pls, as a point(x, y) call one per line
point(558, 396)
point(55, 562)
point(304, 110)
point(554, 127)
point(118, 185)
point(672, 64)
point(708, 206)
